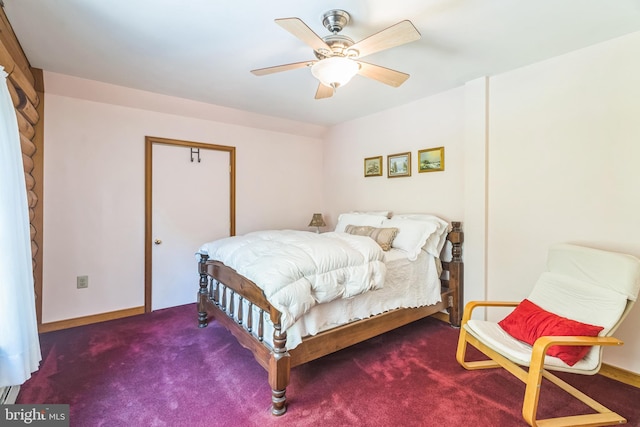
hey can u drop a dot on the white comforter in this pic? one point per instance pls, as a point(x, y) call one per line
point(299, 269)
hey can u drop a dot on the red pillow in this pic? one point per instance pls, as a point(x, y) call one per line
point(528, 322)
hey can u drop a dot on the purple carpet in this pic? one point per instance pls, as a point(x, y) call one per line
point(160, 369)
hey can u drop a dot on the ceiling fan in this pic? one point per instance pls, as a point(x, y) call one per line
point(338, 57)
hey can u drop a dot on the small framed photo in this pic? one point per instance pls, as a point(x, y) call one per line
point(373, 166)
point(399, 165)
point(431, 160)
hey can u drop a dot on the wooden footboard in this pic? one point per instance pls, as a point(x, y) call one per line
point(274, 359)
point(249, 328)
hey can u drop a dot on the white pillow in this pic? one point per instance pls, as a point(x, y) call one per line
point(423, 217)
point(386, 214)
point(358, 219)
point(412, 235)
point(436, 241)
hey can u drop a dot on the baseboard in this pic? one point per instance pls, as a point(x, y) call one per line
point(9, 394)
point(88, 320)
point(620, 374)
point(441, 316)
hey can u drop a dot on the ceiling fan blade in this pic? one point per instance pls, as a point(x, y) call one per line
point(395, 35)
point(384, 75)
point(324, 91)
point(299, 29)
point(280, 68)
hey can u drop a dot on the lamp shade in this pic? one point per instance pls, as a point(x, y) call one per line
point(335, 71)
point(317, 220)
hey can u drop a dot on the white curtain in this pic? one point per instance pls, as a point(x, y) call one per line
point(19, 345)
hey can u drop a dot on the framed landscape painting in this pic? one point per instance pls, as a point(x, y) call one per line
point(431, 160)
point(399, 165)
point(373, 166)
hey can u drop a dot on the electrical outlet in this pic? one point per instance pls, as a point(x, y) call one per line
point(82, 282)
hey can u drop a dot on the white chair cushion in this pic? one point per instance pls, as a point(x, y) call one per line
point(519, 352)
point(590, 303)
point(612, 270)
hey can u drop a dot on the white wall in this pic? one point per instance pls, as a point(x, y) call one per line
point(94, 184)
point(563, 167)
point(427, 123)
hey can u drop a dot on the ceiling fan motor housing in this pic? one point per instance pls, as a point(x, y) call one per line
point(339, 45)
point(335, 20)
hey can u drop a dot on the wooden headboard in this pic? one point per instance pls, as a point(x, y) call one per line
point(27, 93)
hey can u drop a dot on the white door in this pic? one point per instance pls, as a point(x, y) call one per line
point(190, 206)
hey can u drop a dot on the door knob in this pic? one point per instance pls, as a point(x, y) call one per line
point(157, 241)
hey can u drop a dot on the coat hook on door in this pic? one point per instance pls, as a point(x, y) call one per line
point(195, 151)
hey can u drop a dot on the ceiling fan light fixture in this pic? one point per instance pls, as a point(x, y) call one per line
point(335, 71)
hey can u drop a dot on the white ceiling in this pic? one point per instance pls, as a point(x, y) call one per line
point(204, 49)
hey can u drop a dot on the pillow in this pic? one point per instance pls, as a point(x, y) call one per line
point(436, 241)
point(412, 235)
point(358, 230)
point(528, 322)
point(386, 214)
point(382, 236)
point(422, 217)
point(358, 219)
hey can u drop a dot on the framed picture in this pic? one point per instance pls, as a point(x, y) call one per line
point(431, 160)
point(373, 166)
point(399, 165)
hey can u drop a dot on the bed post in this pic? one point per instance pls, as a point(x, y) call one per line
point(279, 369)
point(456, 273)
point(202, 292)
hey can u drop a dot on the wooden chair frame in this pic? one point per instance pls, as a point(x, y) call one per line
point(533, 377)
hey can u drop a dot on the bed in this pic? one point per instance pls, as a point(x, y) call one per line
point(419, 282)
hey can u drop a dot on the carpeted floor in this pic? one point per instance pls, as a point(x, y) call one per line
point(160, 369)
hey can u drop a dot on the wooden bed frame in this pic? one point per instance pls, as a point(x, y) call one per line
point(276, 359)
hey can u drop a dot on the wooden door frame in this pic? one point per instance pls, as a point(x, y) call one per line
point(148, 200)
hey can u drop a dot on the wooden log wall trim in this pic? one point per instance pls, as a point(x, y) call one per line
point(10, 41)
point(26, 87)
point(25, 127)
point(23, 104)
